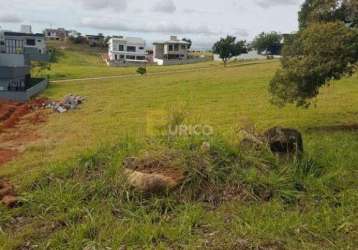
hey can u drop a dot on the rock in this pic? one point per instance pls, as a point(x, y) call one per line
point(9, 200)
point(284, 141)
point(149, 183)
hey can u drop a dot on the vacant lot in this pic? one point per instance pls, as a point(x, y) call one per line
point(71, 184)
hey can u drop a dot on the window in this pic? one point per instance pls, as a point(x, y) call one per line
point(39, 41)
point(121, 56)
point(176, 47)
point(130, 57)
point(140, 57)
point(131, 48)
point(120, 47)
point(170, 47)
point(30, 42)
point(115, 57)
point(2, 43)
point(141, 48)
point(183, 46)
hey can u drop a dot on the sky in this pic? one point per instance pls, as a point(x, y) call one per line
point(203, 21)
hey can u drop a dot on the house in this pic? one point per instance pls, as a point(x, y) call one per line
point(95, 40)
point(126, 50)
point(17, 50)
point(55, 34)
point(15, 42)
point(173, 49)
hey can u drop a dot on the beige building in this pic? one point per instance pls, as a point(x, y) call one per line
point(174, 49)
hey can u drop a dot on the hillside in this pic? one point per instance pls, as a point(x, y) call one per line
point(75, 196)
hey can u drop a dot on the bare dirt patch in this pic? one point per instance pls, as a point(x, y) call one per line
point(18, 122)
point(153, 173)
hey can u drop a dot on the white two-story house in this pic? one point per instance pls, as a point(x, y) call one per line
point(126, 50)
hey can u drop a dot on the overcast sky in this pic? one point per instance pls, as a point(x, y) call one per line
point(204, 21)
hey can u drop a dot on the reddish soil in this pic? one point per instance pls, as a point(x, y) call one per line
point(18, 123)
point(7, 155)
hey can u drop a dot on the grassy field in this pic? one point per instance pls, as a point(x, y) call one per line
point(74, 195)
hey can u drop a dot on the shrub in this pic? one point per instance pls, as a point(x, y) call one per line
point(142, 71)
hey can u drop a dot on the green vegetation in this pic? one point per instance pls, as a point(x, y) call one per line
point(309, 62)
point(329, 11)
point(268, 42)
point(72, 61)
point(75, 196)
point(227, 48)
point(325, 49)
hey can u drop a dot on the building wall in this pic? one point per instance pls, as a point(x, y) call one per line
point(16, 44)
point(115, 54)
point(162, 51)
point(23, 96)
point(12, 60)
point(158, 51)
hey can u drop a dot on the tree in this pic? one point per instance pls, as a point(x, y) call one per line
point(317, 54)
point(228, 48)
point(188, 41)
point(329, 11)
point(268, 42)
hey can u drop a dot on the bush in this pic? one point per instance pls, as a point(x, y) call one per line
point(142, 71)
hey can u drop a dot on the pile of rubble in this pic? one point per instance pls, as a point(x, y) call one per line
point(69, 102)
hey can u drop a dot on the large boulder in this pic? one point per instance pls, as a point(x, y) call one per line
point(284, 141)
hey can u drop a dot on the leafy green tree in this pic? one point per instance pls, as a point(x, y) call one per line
point(228, 48)
point(188, 41)
point(318, 54)
point(329, 11)
point(268, 42)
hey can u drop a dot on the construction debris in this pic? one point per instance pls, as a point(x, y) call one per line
point(69, 102)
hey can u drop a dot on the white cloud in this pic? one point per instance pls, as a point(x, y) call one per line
point(9, 18)
point(118, 5)
point(272, 3)
point(114, 24)
point(165, 6)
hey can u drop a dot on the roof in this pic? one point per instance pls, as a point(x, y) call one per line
point(10, 33)
point(135, 40)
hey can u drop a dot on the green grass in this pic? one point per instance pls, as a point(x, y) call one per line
point(74, 194)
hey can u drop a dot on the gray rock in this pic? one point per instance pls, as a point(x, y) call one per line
point(284, 141)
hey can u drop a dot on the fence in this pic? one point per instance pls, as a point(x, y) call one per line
point(23, 96)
